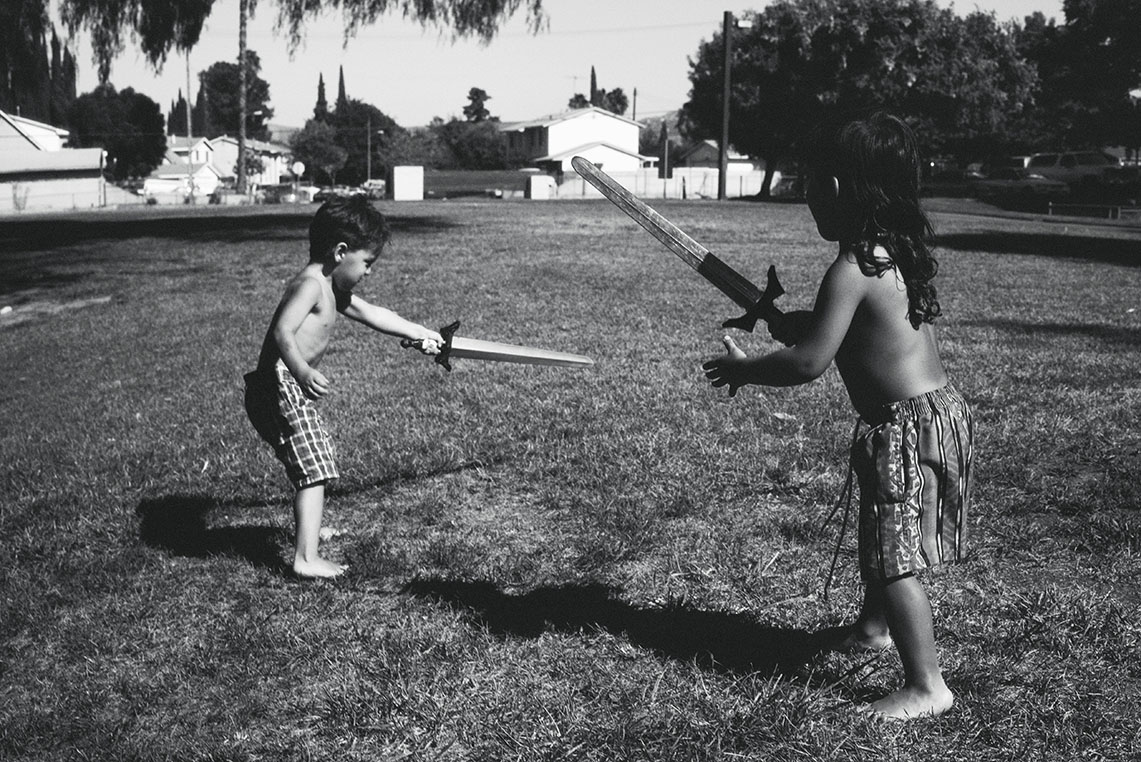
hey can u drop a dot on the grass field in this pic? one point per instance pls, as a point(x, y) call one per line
point(546, 564)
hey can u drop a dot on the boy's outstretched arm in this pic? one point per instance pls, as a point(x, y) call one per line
point(836, 302)
point(388, 322)
point(301, 296)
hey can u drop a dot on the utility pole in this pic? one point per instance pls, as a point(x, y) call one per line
point(634, 115)
point(243, 12)
point(723, 149)
point(368, 149)
point(189, 132)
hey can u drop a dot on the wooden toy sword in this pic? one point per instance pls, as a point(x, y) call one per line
point(737, 287)
point(477, 349)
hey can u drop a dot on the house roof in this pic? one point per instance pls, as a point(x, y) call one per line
point(705, 145)
point(180, 142)
point(255, 145)
point(177, 170)
point(51, 161)
point(565, 116)
point(571, 152)
point(25, 128)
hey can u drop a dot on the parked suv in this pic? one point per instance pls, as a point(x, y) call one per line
point(1073, 167)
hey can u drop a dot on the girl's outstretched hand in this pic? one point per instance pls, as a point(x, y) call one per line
point(728, 370)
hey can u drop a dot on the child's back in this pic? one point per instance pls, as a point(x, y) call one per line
point(882, 358)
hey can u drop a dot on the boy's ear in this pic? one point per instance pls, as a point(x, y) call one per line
point(339, 251)
point(831, 186)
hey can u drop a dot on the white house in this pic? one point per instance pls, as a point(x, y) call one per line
point(607, 139)
point(194, 150)
point(38, 173)
point(275, 160)
point(173, 182)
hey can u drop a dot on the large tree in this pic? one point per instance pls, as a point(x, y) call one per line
point(959, 79)
point(364, 132)
point(1087, 67)
point(219, 88)
point(315, 146)
point(158, 26)
point(127, 124)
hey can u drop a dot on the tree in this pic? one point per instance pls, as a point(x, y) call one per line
point(25, 73)
point(253, 165)
point(128, 125)
point(476, 110)
point(315, 145)
point(472, 145)
point(321, 108)
point(614, 101)
point(1087, 68)
point(960, 81)
point(359, 128)
point(218, 86)
point(159, 27)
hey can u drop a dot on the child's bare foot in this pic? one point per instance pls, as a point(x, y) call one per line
point(851, 639)
point(909, 703)
point(318, 567)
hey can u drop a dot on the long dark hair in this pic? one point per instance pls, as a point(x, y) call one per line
point(876, 160)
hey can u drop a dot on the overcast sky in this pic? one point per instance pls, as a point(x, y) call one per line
point(413, 74)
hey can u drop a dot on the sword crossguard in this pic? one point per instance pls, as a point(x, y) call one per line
point(765, 308)
point(443, 358)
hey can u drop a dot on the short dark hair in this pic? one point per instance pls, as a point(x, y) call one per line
point(353, 220)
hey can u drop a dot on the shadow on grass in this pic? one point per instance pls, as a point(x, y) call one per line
point(1117, 251)
point(177, 524)
point(1109, 334)
point(197, 225)
point(728, 642)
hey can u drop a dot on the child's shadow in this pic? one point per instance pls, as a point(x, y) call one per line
point(177, 524)
point(728, 642)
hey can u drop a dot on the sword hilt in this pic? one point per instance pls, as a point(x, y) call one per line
point(443, 357)
point(764, 309)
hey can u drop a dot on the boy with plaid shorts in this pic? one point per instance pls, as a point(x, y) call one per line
point(346, 237)
point(873, 316)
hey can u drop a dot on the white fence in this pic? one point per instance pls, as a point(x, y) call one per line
point(687, 182)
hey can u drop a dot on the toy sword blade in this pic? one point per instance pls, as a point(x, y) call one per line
point(476, 349)
point(757, 303)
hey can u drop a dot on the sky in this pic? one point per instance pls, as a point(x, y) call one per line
point(413, 74)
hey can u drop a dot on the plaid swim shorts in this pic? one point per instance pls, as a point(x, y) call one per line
point(913, 468)
point(288, 420)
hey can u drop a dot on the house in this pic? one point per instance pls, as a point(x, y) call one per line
point(604, 138)
point(38, 173)
point(173, 182)
point(707, 153)
point(275, 160)
point(184, 149)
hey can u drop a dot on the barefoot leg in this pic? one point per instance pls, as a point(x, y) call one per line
point(909, 619)
point(308, 507)
point(868, 633)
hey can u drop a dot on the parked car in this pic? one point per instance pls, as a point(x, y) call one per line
point(374, 188)
point(337, 191)
point(1073, 167)
point(280, 193)
point(1012, 183)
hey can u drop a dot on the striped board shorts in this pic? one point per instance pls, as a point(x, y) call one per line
point(914, 468)
point(288, 420)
